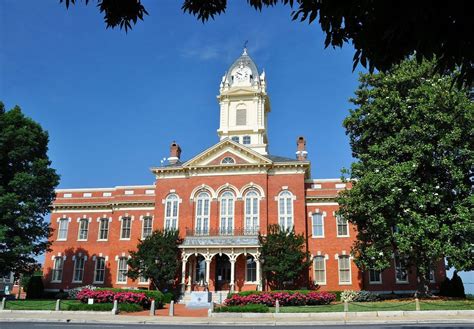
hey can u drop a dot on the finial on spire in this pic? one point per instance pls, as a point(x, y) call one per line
point(245, 47)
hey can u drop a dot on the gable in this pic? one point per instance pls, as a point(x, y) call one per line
point(214, 155)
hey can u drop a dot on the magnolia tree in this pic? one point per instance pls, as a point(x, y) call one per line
point(283, 256)
point(412, 136)
point(157, 258)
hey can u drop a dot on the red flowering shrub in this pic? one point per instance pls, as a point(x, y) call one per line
point(108, 296)
point(284, 298)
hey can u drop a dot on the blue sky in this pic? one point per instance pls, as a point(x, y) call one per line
point(113, 102)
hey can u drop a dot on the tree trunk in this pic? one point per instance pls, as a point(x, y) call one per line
point(423, 285)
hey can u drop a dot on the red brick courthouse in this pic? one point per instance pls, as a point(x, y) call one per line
point(219, 200)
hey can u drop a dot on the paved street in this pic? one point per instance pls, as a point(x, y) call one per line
point(26, 325)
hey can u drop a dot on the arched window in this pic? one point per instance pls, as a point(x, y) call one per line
point(227, 160)
point(241, 115)
point(203, 206)
point(285, 210)
point(252, 223)
point(227, 214)
point(171, 212)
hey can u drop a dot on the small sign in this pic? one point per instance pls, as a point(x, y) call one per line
point(219, 277)
point(90, 301)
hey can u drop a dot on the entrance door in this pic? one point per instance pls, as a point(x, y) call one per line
point(222, 272)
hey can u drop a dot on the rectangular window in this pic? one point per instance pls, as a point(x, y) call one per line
point(318, 225)
point(432, 275)
point(251, 272)
point(104, 229)
point(344, 269)
point(401, 272)
point(83, 229)
point(126, 228)
point(235, 139)
point(99, 270)
point(147, 226)
point(246, 140)
point(78, 269)
point(320, 269)
point(63, 226)
point(342, 226)
point(57, 274)
point(375, 276)
point(122, 270)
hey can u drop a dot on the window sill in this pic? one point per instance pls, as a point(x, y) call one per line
point(343, 236)
point(375, 282)
point(120, 282)
point(81, 239)
point(345, 283)
point(52, 281)
point(61, 239)
point(402, 282)
point(250, 282)
point(124, 239)
point(102, 240)
point(76, 281)
point(318, 237)
point(320, 283)
point(98, 282)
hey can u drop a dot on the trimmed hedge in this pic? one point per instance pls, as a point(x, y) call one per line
point(104, 307)
point(250, 308)
point(157, 295)
point(285, 298)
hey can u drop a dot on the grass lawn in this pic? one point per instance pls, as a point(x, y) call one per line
point(408, 305)
point(37, 304)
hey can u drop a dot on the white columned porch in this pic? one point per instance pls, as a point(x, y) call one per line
point(259, 274)
point(183, 274)
point(232, 274)
point(190, 276)
point(208, 271)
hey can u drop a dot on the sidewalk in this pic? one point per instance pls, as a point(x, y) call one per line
point(391, 317)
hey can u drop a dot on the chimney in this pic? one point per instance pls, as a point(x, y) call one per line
point(301, 153)
point(175, 153)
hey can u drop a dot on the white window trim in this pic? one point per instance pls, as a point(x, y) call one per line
point(256, 279)
point(132, 218)
point(142, 219)
point(407, 281)
point(79, 220)
point(62, 270)
point(227, 216)
point(337, 256)
point(58, 220)
point(74, 258)
point(201, 215)
point(99, 220)
point(337, 228)
point(293, 197)
point(245, 198)
point(375, 282)
point(117, 258)
point(323, 216)
point(164, 202)
point(95, 267)
point(325, 258)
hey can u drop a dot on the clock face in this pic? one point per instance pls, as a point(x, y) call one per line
point(242, 74)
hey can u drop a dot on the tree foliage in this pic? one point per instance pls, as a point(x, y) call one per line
point(283, 256)
point(412, 136)
point(27, 185)
point(157, 258)
point(383, 33)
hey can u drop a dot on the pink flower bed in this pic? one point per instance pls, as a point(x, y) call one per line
point(108, 296)
point(284, 298)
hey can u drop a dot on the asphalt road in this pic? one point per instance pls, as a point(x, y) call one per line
point(29, 325)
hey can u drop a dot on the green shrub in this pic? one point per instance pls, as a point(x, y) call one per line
point(35, 288)
point(168, 297)
point(366, 296)
point(152, 294)
point(249, 308)
point(105, 307)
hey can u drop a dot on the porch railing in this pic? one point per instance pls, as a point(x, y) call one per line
point(222, 231)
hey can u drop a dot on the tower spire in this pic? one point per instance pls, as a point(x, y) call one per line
point(245, 48)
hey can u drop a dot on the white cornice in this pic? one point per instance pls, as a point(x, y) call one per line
point(102, 189)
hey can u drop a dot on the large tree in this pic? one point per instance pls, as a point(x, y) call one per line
point(383, 33)
point(157, 258)
point(27, 184)
point(283, 255)
point(412, 136)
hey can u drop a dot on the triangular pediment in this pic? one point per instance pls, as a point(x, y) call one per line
point(241, 155)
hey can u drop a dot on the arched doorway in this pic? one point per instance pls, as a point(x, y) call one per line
point(222, 272)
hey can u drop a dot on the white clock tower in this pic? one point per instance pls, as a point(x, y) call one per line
point(244, 105)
